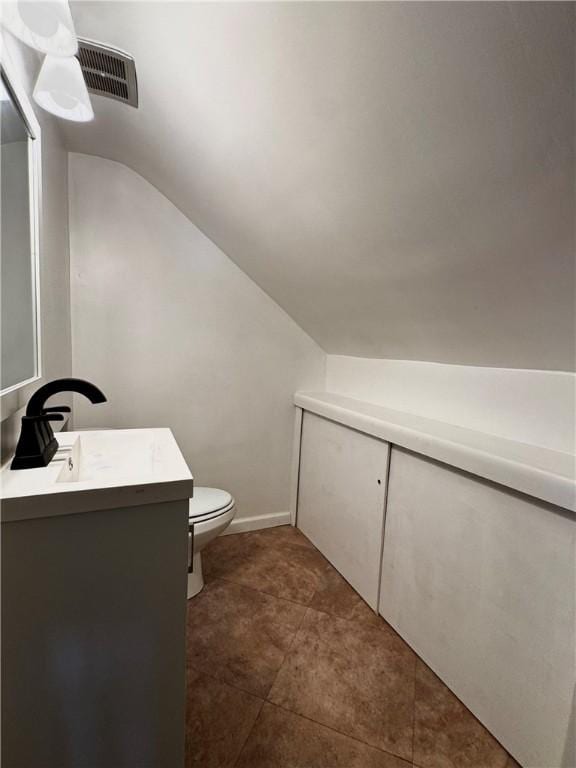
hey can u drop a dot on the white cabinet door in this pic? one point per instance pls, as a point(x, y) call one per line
point(341, 495)
point(480, 582)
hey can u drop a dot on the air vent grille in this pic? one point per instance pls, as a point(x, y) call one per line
point(108, 71)
point(106, 85)
point(103, 62)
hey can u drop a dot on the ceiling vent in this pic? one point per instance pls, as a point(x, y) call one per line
point(108, 71)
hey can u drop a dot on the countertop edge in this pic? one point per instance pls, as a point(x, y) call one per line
point(68, 498)
point(115, 497)
point(518, 475)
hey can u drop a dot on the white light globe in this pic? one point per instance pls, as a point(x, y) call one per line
point(45, 25)
point(61, 90)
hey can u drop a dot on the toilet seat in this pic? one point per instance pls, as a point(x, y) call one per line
point(208, 503)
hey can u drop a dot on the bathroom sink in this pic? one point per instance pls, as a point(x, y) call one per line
point(108, 455)
point(100, 469)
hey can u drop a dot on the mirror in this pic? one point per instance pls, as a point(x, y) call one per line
point(19, 225)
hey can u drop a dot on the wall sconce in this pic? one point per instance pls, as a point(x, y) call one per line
point(45, 25)
point(61, 90)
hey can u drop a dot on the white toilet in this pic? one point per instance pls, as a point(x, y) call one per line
point(211, 512)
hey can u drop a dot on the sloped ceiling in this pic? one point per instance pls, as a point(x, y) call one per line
point(399, 177)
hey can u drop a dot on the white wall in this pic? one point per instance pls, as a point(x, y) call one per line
point(535, 407)
point(176, 335)
point(54, 248)
point(398, 176)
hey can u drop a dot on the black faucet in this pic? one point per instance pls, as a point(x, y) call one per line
point(37, 444)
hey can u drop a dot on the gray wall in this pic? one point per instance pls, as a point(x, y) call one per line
point(176, 335)
point(398, 176)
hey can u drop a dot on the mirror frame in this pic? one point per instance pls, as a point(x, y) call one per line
point(24, 106)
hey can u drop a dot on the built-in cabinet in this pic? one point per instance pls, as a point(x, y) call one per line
point(477, 577)
point(480, 582)
point(341, 496)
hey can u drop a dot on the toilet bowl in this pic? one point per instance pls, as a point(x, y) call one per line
point(211, 512)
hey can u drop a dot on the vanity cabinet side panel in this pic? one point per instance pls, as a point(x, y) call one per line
point(341, 494)
point(93, 638)
point(480, 582)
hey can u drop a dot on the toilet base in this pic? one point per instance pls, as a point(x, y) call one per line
point(206, 527)
point(195, 579)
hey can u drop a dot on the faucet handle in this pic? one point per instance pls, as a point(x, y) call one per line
point(57, 409)
point(37, 444)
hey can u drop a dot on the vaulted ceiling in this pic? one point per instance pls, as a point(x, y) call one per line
point(399, 177)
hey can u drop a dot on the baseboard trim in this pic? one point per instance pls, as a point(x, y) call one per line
point(256, 522)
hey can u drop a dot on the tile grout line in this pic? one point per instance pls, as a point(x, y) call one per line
point(386, 626)
point(263, 592)
point(340, 733)
point(241, 690)
point(323, 725)
point(233, 685)
point(239, 755)
point(292, 639)
point(266, 700)
point(229, 684)
point(309, 605)
point(307, 608)
point(290, 645)
point(298, 714)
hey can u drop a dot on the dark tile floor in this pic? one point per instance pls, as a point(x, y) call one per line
point(288, 668)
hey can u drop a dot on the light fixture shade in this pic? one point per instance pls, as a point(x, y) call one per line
point(42, 24)
point(61, 90)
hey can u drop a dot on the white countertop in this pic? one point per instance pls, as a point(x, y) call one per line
point(99, 469)
point(540, 472)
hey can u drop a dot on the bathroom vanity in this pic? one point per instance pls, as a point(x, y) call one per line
point(94, 571)
point(465, 543)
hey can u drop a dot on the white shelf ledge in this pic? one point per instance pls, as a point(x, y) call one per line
point(540, 472)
